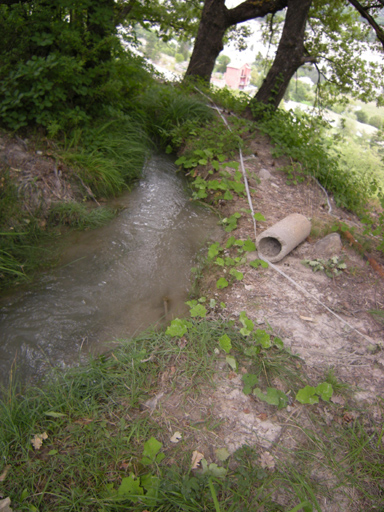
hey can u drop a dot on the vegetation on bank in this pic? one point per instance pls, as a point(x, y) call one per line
point(102, 437)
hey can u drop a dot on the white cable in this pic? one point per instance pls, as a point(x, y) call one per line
point(301, 288)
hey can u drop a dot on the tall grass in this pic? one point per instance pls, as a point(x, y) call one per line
point(108, 158)
point(167, 108)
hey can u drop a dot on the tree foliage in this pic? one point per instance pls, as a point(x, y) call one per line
point(337, 36)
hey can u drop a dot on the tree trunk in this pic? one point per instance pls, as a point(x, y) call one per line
point(209, 40)
point(289, 57)
point(215, 20)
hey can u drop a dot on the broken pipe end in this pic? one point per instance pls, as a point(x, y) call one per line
point(281, 238)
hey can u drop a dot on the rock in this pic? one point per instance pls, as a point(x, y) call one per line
point(328, 246)
point(264, 174)
point(5, 505)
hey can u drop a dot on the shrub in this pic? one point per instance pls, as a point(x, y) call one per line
point(361, 116)
point(376, 121)
point(304, 139)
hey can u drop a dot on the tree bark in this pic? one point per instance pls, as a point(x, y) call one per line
point(289, 57)
point(215, 20)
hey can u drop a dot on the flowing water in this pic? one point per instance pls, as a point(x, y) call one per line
point(112, 282)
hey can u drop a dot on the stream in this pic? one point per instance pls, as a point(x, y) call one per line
point(111, 282)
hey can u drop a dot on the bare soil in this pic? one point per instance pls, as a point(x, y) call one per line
point(41, 178)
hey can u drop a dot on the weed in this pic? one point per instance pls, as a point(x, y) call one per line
point(78, 216)
point(377, 314)
point(109, 157)
point(87, 445)
point(331, 267)
point(172, 115)
point(337, 385)
point(304, 139)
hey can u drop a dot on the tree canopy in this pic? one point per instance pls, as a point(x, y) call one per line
point(63, 59)
point(332, 35)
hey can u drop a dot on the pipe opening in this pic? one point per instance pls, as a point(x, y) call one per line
point(269, 246)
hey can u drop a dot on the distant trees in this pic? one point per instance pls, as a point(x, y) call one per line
point(222, 63)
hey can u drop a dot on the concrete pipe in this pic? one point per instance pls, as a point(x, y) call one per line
point(281, 238)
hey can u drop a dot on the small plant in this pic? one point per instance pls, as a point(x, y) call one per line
point(331, 267)
point(294, 177)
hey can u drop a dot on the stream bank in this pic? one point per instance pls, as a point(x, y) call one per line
point(112, 282)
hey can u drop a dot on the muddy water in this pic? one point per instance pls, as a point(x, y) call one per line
point(111, 282)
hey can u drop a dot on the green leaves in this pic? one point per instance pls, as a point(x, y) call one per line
point(213, 469)
point(214, 250)
point(258, 263)
point(332, 267)
point(221, 283)
point(263, 338)
point(250, 380)
point(259, 217)
point(310, 395)
point(236, 274)
point(225, 343)
point(198, 311)
point(130, 487)
point(249, 246)
point(272, 397)
point(151, 451)
point(248, 325)
point(230, 223)
point(178, 327)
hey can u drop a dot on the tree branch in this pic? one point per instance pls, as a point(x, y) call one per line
point(251, 9)
point(363, 12)
point(124, 11)
point(309, 58)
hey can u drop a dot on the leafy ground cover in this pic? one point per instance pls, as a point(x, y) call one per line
point(138, 429)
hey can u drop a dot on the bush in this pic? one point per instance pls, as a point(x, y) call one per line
point(304, 140)
point(361, 116)
point(376, 121)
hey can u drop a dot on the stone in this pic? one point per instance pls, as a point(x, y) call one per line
point(5, 505)
point(264, 174)
point(328, 246)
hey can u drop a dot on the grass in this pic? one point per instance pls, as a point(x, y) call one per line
point(107, 449)
point(78, 216)
point(172, 114)
point(107, 157)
